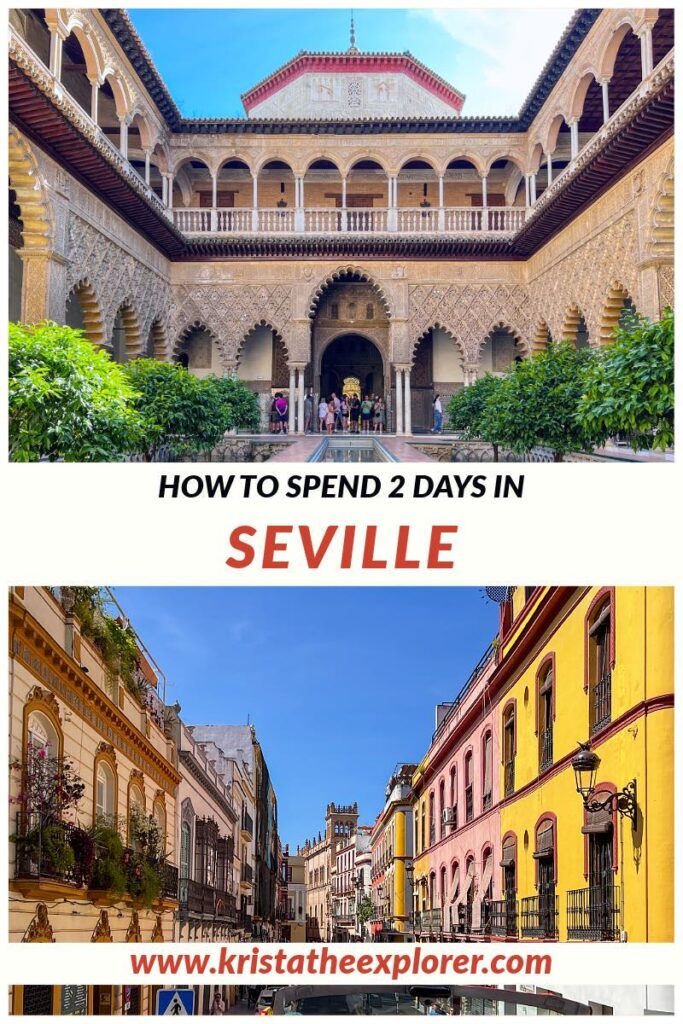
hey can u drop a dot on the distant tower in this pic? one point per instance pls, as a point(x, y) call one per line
point(341, 822)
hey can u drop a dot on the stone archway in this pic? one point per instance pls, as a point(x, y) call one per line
point(352, 356)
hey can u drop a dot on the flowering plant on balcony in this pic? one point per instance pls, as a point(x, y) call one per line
point(145, 859)
point(47, 843)
point(108, 870)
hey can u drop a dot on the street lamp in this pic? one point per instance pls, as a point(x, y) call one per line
point(585, 764)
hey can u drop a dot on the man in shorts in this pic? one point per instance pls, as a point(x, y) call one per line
point(366, 408)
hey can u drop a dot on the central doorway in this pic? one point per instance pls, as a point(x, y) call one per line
point(352, 363)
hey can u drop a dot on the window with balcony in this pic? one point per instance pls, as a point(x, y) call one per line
point(600, 661)
point(509, 747)
point(504, 912)
point(539, 913)
point(487, 771)
point(546, 706)
point(432, 823)
point(442, 807)
point(594, 913)
point(469, 787)
point(423, 826)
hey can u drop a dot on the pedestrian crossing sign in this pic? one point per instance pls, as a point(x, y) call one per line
point(175, 1002)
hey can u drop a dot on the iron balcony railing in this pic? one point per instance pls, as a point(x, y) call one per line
point(501, 917)
point(205, 900)
point(540, 916)
point(461, 919)
point(169, 881)
point(54, 851)
point(594, 913)
point(247, 874)
point(509, 777)
point(601, 697)
point(247, 824)
point(546, 748)
point(430, 921)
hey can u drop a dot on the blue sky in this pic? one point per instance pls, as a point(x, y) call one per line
point(208, 57)
point(341, 683)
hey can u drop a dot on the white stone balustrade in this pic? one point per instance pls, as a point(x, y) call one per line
point(331, 220)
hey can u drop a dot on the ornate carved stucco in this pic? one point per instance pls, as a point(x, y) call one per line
point(117, 277)
point(230, 312)
point(469, 312)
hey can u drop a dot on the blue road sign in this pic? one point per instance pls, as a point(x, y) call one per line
point(175, 1002)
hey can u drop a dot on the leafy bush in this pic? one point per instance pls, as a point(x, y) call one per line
point(57, 852)
point(114, 640)
point(67, 399)
point(237, 405)
point(466, 409)
point(630, 387)
point(537, 401)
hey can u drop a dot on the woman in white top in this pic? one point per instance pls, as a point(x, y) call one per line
point(322, 415)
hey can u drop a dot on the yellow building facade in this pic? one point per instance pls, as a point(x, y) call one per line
point(594, 665)
point(511, 840)
point(391, 857)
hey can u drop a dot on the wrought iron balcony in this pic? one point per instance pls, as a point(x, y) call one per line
point(545, 740)
point(247, 874)
point(453, 220)
point(169, 881)
point(501, 917)
point(509, 777)
point(429, 921)
point(601, 699)
point(247, 825)
point(205, 900)
point(540, 916)
point(594, 913)
point(461, 919)
point(55, 851)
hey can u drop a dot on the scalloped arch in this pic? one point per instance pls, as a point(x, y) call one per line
point(436, 326)
point(346, 273)
point(31, 193)
point(93, 319)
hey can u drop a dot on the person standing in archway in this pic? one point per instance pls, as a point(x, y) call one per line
point(282, 409)
point(355, 413)
point(380, 415)
point(309, 405)
point(366, 414)
point(438, 415)
point(322, 414)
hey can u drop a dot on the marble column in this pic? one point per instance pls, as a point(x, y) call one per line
point(399, 400)
point(56, 53)
point(408, 417)
point(147, 166)
point(291, 399)
point(646, 54)
point(300, 401)
point(254, 203)
point(94, 99)
point(574, 137)
point(123, 141)
point(604, 85)
point(549, 161)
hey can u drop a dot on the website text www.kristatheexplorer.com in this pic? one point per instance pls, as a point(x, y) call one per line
point(322, 962)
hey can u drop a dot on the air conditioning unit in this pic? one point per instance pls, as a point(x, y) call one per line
point(449, 815)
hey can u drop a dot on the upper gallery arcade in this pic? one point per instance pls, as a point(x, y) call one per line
point(355, 220)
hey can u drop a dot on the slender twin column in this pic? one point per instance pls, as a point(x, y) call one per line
point(297, 394)
point(404, 423)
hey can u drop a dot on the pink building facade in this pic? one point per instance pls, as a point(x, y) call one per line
point(458, 870)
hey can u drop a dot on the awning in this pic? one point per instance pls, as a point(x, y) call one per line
point(462, 896)
point(508, 858)
point(455, 884)
point(545, 841)
point(487, 874)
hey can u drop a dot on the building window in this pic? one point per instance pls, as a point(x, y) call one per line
point(432, 826)
point(469, 787)
point(105, 790)
point(442, 808)
point(185, 849)
point(509, 866)
point(334, 311)
point(509, 749)
point(454, 798)
point(487, 758)
point(546, 901)
point(545, 716)
point(369, 311)
point(600, 661)
point(42, 735)
point(423, 836)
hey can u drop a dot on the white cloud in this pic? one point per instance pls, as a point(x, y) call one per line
point(511, 47)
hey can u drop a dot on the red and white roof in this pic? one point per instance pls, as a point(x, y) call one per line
point(353, 85)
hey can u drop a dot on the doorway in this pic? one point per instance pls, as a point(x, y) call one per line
point(354, 362)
